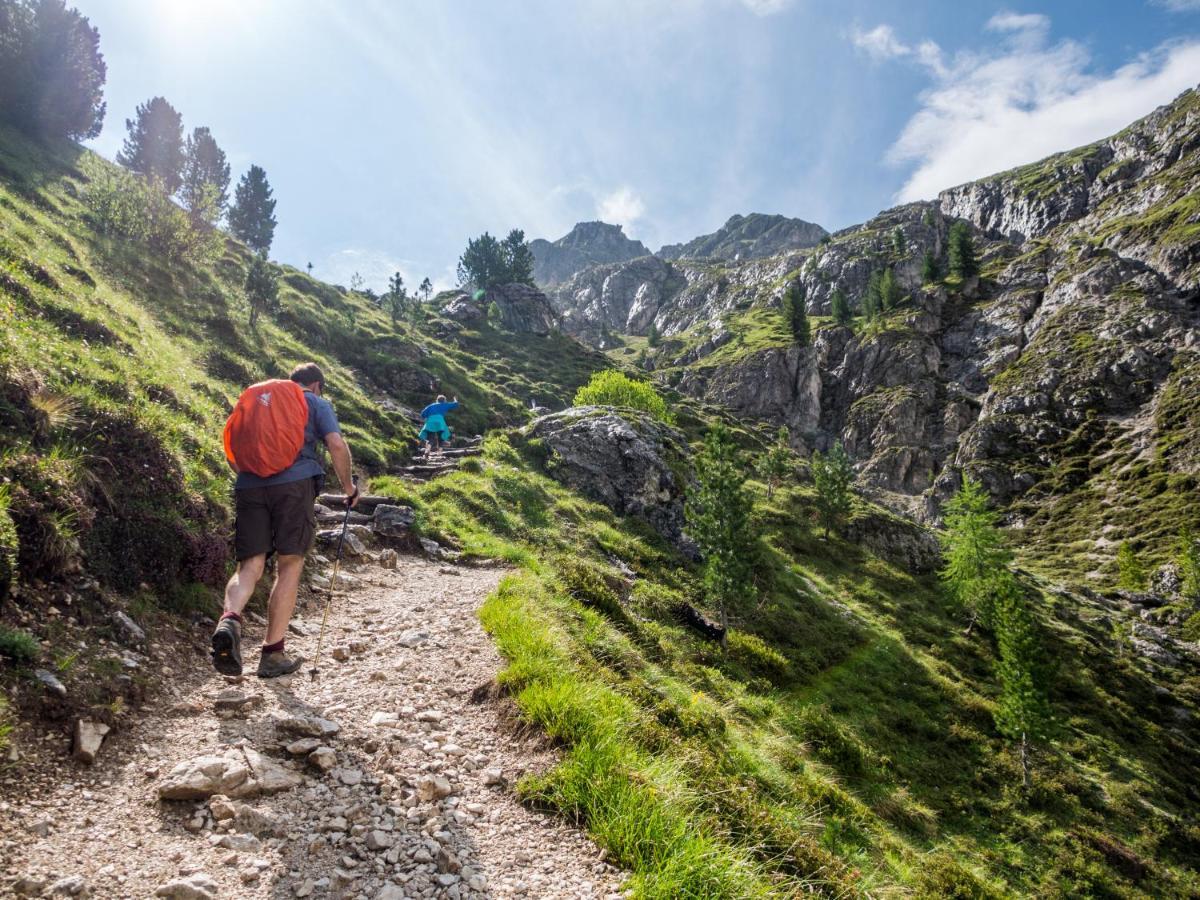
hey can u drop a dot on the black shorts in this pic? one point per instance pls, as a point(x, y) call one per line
point(279, 518)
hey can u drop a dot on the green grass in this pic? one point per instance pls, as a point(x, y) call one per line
point(18, 646)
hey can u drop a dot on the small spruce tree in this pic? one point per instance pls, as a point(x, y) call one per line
point(930, 271)
point(889, 290)
point(396, 298)
point(252, 216)
point(154, 146)
point(518, 258)
point(426, 288)
point(833, 477)
point(872, 304)
point(1131, 575)
point(718, 516)
point(1023, 711)
point(262, 287)
point(796, 315)
point(773, 466)
point(839, 307)
point(205, 189)
point(652, 335)
point(974, 551)
point(899, 243)
point(962, 251)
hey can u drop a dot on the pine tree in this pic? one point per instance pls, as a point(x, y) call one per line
point(796, 315)
point(252, 216)
point(652, 336)
point(962, 251)
point(396, 298)
point(872, 304)
point(718, 516)
point(262, 286)
point(482, 263)
point(930, 270)
point(839, 307)
point(51, 70)
point(974, 551)
point(833, 477)
point(775, 464)
point(1023, 711)
point(154, 147)
point(518, 258)
point(426, 288)
point(205, 189)
point(1188, 560)
point(1131, 575)
point(899, 243)
point(889, 290)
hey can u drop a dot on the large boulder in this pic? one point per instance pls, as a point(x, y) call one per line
point(238, 773)
point(523, 308)
point(627, 460)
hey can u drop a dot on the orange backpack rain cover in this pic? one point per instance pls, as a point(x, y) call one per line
point(265, 431)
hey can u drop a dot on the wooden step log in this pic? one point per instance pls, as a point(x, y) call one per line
point(366, 503)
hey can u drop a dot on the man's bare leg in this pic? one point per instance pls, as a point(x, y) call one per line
point(283, 596)
point(241, 585)
point(227, 639)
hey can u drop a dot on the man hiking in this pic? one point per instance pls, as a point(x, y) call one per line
point(274, 505)
point(435, 431)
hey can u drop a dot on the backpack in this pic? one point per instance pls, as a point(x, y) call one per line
point(265, 431)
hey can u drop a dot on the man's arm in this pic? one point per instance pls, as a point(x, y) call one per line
point(339, 452)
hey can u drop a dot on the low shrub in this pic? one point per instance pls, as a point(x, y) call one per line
point(613, 388)
point(19, 646)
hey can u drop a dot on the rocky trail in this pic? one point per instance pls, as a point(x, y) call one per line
point(388, 776)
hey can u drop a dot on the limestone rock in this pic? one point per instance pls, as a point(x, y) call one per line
point(523, 309)
point(587, 244)
point(236, 774)
point(393, 521)
point(749, 237)
point(88, 736)
point(194, 887)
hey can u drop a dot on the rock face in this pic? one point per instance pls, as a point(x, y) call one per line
point(523, 308)
point(755, 236)
point(587, 244)
point(626, 460)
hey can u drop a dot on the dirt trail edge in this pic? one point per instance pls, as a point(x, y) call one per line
point(380, 780)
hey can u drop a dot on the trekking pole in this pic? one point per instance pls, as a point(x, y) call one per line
point(337, 561)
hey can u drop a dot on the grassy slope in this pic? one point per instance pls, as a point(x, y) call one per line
point(844, 744)
point(848, 748)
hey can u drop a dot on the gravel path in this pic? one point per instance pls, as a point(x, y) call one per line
point(411, 797)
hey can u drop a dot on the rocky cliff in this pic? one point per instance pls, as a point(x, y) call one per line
point(1064, 375)
point(749, 237)
point(588, 243)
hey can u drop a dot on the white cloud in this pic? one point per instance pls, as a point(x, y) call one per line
point(1011, 21)
point(1179, 5)
point(1021, 100)
point(374, 266)
point(620, 207)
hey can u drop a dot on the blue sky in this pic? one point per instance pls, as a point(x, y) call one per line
point(393, 131)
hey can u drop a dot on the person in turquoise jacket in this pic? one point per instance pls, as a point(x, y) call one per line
point(435, 431)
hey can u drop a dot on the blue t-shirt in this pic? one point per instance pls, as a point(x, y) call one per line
point(438, 409)
point(321, 422)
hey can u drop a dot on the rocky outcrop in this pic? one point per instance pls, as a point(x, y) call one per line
point(587, 244)
point(755, 236)
point(523, 308)
point(624, 459)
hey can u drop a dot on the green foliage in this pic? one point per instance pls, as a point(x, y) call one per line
point(718, 517)
point(18, 646)
point(839, 307)
point(205, 189)
point(1191, 628)
point(122, 205)
point(976, 559)
point(899, 243)
point(1023, 713)
point(833, 477)
point(262, 287)
point(613, 388)
point(1131, 574)
point(774, 465)
point(889, 290)
point(872, 299)
point(51, 70)
point(154, 146)
point(488, 263)
point(252, 216)
point(425, 288)
point(963, 263)
point(494, 316)
point(396, 300)
point(1187, 557)
point(8, 544)
point(941, 878)
point(930, 270)
point(652, 336)
point(796, 315)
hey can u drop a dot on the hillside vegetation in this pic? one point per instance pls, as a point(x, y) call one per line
point(842, 742)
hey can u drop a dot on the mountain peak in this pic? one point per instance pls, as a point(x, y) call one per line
point(751, 236)
point(586, 244)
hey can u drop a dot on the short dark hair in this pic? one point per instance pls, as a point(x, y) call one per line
point(308, 373)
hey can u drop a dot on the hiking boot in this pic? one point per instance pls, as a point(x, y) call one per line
point(272, 665)
point(227, 647)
